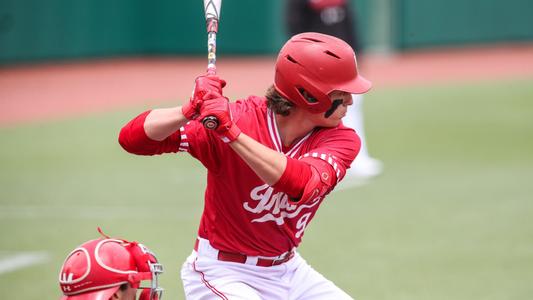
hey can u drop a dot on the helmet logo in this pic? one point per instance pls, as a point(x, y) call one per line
point(66, 278)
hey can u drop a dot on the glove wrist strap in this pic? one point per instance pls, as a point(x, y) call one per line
point(231, 134)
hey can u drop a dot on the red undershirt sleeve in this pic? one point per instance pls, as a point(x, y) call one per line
point(133, 139)
point(294, 178)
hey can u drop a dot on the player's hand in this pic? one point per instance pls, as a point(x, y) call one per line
point(207, 83)
point(319, 5)
point(202, 86)
point(218, 106)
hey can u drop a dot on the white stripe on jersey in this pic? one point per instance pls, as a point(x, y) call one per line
point(276, 138)
point(184, 144)
point(272, 130)
point(291, 153)
point(329, 159)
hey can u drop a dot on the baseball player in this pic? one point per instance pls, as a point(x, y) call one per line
point(108, 268)
point(271, 162)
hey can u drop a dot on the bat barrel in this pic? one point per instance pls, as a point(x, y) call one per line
point(212, 9)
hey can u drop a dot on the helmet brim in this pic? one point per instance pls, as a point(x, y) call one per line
point(95, 295)
point(359, 85)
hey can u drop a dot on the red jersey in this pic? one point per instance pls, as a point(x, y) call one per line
point(242, 214)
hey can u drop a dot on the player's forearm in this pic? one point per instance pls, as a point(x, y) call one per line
point(161, 123)
point(268, 164)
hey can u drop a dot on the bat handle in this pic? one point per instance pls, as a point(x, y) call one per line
point(211, 70)
point(210, 122)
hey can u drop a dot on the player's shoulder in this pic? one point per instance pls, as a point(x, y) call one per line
point(340, 141)
point(336, 137)
point(251, 102)
point(339, 132)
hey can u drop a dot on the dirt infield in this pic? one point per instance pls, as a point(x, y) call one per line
point(43, 92)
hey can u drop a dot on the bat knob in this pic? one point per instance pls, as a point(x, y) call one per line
point(210, 122)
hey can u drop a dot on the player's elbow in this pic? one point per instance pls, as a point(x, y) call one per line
point(294, 178)
point(133, 138)
point(125, 141)
point(130, 144)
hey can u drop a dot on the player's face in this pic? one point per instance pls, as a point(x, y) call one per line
point(343, 100)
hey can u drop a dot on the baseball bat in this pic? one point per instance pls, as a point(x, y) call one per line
point(212, 15)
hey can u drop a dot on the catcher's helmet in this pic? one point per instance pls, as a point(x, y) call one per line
point(311, 65)
point(97, 268)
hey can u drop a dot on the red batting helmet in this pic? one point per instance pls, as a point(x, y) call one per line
point(311, 65)
point(96, 270)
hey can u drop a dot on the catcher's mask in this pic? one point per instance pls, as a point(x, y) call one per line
point(96, 269)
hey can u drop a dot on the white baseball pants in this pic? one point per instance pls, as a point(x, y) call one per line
point(208, 278)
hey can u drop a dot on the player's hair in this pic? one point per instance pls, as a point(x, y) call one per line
point(277, 103)
point(124, 286)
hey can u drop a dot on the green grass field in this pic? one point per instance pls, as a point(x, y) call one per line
point(450, 218)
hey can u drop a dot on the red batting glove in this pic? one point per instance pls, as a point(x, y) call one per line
point(207, 83)
point(202, 85)
point(191, 109)
point(218, 107)
point(319, 5)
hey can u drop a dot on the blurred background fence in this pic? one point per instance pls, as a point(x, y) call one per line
point(32, 30)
